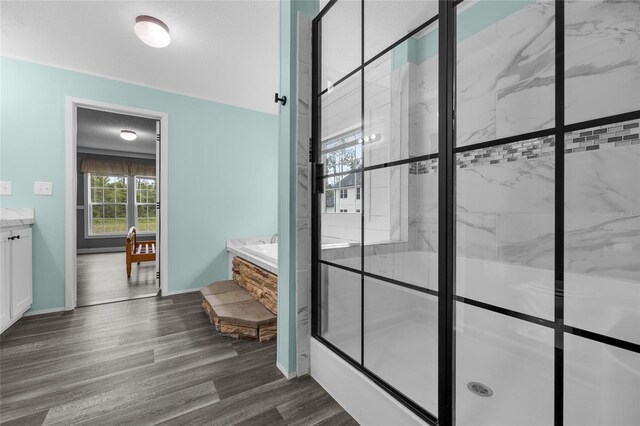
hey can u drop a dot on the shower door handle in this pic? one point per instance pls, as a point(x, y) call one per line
point(317, 170)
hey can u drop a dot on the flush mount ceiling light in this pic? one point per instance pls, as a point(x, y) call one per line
point(152, 31)
point(128, 135)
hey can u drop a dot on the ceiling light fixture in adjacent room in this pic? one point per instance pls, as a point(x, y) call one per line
point(152, 31)
point(128, 135)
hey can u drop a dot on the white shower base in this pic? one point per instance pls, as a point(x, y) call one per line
point(515, 358)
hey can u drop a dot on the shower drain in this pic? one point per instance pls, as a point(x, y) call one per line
point(479, 389)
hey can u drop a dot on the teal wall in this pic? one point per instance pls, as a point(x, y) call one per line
point(287, 179)
point(222, 170)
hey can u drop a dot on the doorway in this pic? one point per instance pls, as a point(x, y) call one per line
point(116, 193)
point(114, 159)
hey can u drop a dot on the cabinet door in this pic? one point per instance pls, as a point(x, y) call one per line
point(21, 283)
point(5, 279)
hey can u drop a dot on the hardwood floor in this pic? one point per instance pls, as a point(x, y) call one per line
point(103, 278)
point(148, 361)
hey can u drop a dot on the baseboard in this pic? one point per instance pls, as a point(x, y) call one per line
point(100, 250)
point(43, 311)
point(283, 370)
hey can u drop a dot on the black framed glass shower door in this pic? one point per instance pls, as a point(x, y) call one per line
point(452, 209)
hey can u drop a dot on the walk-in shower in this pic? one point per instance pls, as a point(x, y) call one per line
point(476, 207)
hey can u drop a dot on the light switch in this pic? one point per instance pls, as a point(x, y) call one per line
point(5, 187)
point(43, 188)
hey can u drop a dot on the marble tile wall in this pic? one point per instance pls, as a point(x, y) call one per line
point(506, 71)
point(505, 81)
point(424, 116)
point(602, 58)
point(602, 207)
point(506, 207)
point(303, 197)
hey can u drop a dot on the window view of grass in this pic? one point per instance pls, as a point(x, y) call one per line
point(146, 203)
point(108, 197)
point(108, 204)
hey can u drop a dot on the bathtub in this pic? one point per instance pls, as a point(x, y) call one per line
point(255, 251)
point(268, 252)
point(514, 358)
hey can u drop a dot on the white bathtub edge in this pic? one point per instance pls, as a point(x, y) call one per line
point(238, 251)
point(359, 396)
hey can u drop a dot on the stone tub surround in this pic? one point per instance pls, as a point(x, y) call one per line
point(235, 247)
point(17, 216)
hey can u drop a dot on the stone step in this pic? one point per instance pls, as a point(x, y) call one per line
point(236, 313)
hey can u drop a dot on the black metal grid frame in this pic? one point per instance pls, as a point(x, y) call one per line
point(447, 222)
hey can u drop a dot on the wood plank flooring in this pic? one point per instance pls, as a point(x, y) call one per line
point(103, 278)
point(148, 361)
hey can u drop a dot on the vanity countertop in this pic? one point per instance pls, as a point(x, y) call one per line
point(17, 216)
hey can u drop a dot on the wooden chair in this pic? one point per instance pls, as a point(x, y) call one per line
point(145, 251)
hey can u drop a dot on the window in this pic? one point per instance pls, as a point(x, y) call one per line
point(343, 193)
point(107, 204)
point(357, 193)
point(330, 201)
point(145, 204)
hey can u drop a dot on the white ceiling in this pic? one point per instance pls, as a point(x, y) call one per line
point(100, 130)
point(224, 51)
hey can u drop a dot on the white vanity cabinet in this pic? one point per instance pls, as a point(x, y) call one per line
point(16, 287)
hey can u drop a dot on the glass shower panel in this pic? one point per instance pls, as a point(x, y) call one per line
point(401, 340)
point(601, 383)
point(401, 223)
point(602, 59)
point(341, 114)
point(504, 369)
point(387, 21)
point(400, 106)
point(341, 154)
point(341, 37)
point(505, 226)
point(340, 306)
point(340, 229)
point(505, 82)
point(602, 230)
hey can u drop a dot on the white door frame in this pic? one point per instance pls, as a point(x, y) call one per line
point(71, 195)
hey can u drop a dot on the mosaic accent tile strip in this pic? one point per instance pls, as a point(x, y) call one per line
point(603, 137)
point(596, 138)
point(521, 150)
point(422, 167)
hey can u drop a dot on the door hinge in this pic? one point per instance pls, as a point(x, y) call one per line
point(157, 137)
point(157, 205)
point(157, 275)
point(310, 150)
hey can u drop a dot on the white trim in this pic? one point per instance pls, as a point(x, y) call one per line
point(367, 403)
point(71, 198)
point(187, 290)
point(100, 250)
point(42, 312)
point(71, 105)
point(283, 370)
